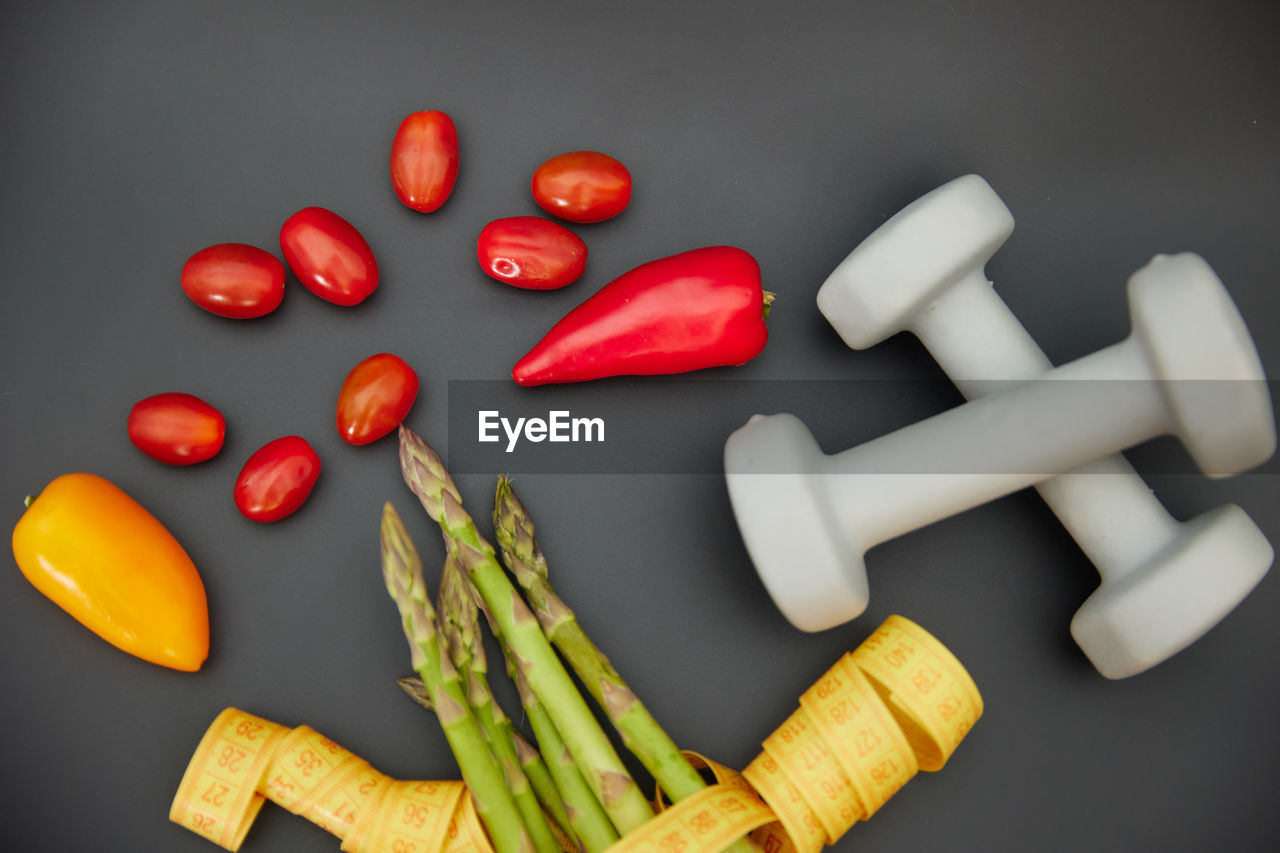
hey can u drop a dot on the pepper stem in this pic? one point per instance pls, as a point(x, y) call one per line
point(26, 502)
point(769, 296)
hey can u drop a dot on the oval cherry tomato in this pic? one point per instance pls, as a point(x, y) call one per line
point(531, 252)
point(277, 479)
point(234, 280)
point(582, 186)
point(329, 256)
point(179, 429)
point(424, 160)
point(376, 396)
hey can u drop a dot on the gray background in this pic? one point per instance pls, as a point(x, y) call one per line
point(138, 133)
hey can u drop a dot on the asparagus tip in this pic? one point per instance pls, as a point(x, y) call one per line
point(424, 472)
point(513, 528)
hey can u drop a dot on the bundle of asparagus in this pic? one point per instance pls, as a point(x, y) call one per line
point(591, 798)
point(897, 704)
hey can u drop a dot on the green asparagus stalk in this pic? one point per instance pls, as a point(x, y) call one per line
point(402, 571)
point(459, 615)
point(544, 789)
point(578, 832)
point(640, 732)
point(591, 826)
point(604, 771)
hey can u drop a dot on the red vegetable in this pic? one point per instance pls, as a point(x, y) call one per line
point(179, 429)
point(424, 160)
point(329, 256)
point(374, 399)
point(234, 280)
point(703, 308)
point(582, 186)
point(531, 252)
point(277, 479)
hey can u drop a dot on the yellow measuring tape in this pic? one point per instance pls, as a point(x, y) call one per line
point(244, 760)
point(899, 703)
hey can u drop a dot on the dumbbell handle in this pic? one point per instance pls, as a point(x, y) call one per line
point(996, 445)
point(1104, 504)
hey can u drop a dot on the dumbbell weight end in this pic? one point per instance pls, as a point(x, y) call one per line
point(797, 547)
point(1137, 620)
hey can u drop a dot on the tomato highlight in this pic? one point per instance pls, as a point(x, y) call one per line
point(531, 252)
point(424, 160)
point(100, 556)
point(375, 397)
point(177, 429)
point(234, 280)
point(329, 256)
point(277, 479)
point(582, 186)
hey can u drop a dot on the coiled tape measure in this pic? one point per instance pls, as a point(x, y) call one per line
point(899, 703)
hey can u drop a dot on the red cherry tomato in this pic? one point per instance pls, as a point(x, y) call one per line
point(277, 479)
point(424, 160)
point(234, 280)
point(531, 252)
point(582, 186)
point(329, 256)
point(179, 429)
point(376, 396)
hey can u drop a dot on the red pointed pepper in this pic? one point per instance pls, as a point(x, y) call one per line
point(702, 308)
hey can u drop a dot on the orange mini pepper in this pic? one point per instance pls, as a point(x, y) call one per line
point(100, 556)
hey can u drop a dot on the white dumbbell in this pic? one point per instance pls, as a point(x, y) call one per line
point(1164, 582)
point(1189, 368)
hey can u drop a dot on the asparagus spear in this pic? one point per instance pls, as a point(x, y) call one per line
point(604, 771)
point(587, 826)
point(402, 571)
point(466, 649)
point(513, 528)
point(544, 789)
point(591, 826)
